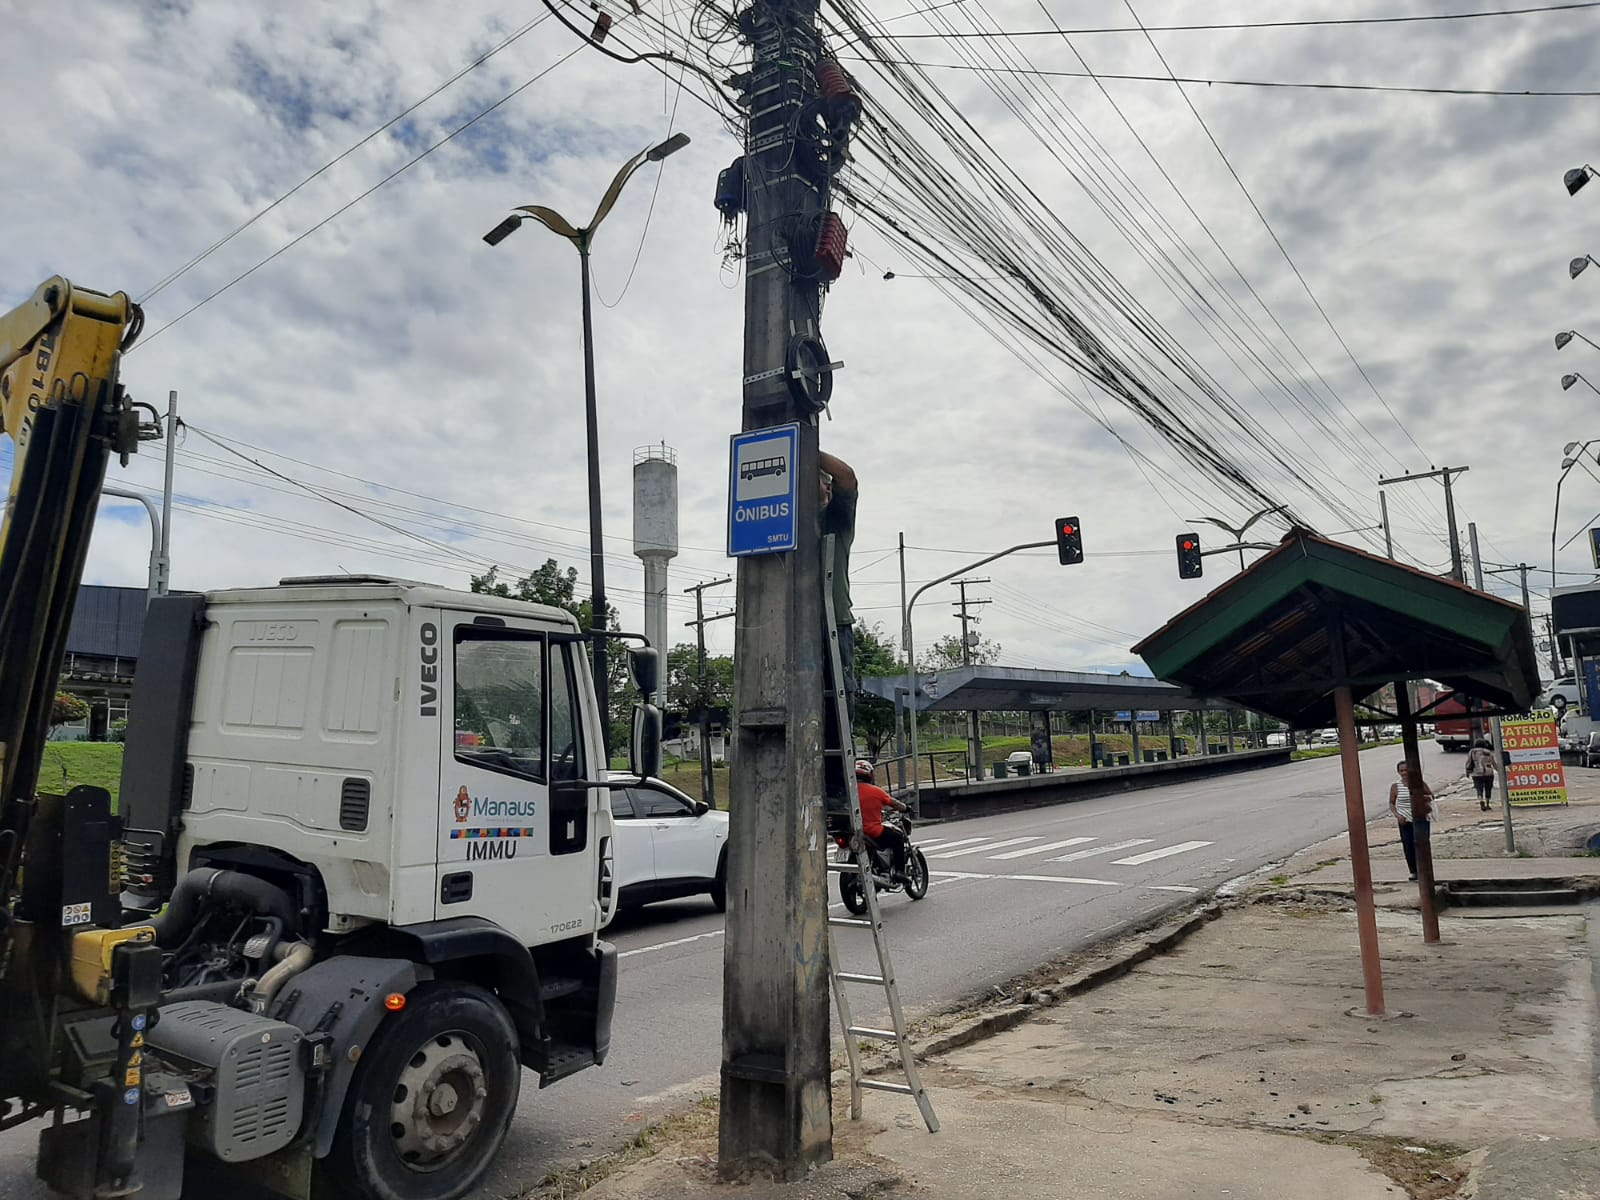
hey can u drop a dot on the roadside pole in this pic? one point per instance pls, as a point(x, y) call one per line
point(1424, 845)
point(708, 784)
point(776, 1098)
point(164, 562)
point(1494, 722)
point(1355, 813)
point(974, 719)
point(1457, 571)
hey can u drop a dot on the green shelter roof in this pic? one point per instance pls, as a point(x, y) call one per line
point(1271, 637)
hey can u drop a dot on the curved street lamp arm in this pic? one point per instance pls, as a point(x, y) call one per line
point(552, 220)
point(609, 200)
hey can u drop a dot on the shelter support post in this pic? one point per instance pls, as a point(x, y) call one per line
point(1421, 830)
point(1360, 860)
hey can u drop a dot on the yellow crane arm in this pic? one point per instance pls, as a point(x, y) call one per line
point(63, 407)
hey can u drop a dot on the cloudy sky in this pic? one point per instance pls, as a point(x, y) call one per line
point(391, 360)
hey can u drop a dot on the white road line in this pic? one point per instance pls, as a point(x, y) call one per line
point(1151, 855)
point(1044, 849)
point(990, 846)
point(684, 941)
point(1171, 887)
point(1063, 879)
point(926, 846)
point(962, 875)
point(1077, 854)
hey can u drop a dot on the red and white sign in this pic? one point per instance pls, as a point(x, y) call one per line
point(1534, 774)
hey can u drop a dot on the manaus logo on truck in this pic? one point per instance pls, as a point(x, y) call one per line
point(430, 669)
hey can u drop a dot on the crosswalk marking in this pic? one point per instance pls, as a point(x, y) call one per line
point(1044, 849)
point(925, 847)
point(1171, 887)
point(981, 849)
point(1151, 855)
point(1108, 849)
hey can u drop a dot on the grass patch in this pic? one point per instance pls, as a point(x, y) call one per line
point(1432, 1175)
point(698, 1124)
point(1280, 880)
point(95, 764)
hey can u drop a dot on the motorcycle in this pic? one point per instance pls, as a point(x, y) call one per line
point(881, 862)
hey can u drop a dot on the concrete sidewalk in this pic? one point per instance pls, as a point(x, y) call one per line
point(1241, 1064)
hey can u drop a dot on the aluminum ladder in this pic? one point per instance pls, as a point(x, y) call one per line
point(853, 1033)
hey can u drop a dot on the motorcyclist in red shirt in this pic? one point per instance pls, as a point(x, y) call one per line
point(873, 798)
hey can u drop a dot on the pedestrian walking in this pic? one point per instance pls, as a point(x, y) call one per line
point(1411, 804)
point(1481, 766)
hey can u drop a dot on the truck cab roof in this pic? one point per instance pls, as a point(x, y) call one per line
point(371, 588)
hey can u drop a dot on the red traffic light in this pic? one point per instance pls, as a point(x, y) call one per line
point(1188, 545)
point(1069, 540)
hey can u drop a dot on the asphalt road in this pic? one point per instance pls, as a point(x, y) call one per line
point(1009, 892)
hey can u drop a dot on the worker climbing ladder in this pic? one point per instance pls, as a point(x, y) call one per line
point(859, 865)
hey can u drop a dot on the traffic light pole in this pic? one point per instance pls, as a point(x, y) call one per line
point(776, 1101)
point(911, 655)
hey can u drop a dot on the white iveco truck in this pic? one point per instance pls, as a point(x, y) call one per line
point(366, 845)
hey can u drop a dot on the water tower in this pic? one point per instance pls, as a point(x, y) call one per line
point(655, 533)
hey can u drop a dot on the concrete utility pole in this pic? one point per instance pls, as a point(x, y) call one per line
point(1456, 568)
point(776, 1111)
point(708, 785)
point(974, 718)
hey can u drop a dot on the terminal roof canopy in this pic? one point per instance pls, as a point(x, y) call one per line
point(1266, 638)
point(1015, 689)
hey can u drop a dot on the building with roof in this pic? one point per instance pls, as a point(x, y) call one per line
point(101, 657)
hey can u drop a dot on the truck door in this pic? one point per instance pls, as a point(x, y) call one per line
point(511, 847)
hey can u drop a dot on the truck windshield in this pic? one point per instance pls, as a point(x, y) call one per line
point(499, 703)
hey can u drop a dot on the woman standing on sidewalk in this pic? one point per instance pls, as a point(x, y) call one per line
point(1400, 804)
point(1480, 765)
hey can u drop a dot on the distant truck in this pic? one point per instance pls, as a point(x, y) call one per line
point(1454, 729)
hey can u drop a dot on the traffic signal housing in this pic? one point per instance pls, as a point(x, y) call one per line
point(1189, 564)
point(1069, 540)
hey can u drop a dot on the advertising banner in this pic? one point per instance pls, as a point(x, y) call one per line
point(1534, 774)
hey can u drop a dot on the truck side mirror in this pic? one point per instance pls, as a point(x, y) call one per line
point(644, 754)
point(645, 664)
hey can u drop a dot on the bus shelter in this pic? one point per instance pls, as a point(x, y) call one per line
point(1313, 628)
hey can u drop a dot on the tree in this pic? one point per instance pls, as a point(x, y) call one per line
point(66, 709)
point(875, 657)
point(682, 672)
point(945, 653)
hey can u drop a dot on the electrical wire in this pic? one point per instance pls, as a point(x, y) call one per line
point(340, 211)
point(1400, 89)
point(194, 261)
point(1296, 24)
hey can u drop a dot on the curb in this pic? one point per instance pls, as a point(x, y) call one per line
point(988, 1024)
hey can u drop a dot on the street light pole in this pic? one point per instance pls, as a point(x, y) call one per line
point(1239, 531)
point(597, 562)
point(1573, 452)
point(582, 239)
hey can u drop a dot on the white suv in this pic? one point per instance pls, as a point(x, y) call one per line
point(667, 845)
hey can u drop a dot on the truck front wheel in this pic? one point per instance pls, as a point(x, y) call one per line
point(431, 1100)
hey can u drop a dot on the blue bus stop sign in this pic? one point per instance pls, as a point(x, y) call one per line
point(761, 490)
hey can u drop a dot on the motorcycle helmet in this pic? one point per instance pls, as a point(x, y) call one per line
point(864, 769)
